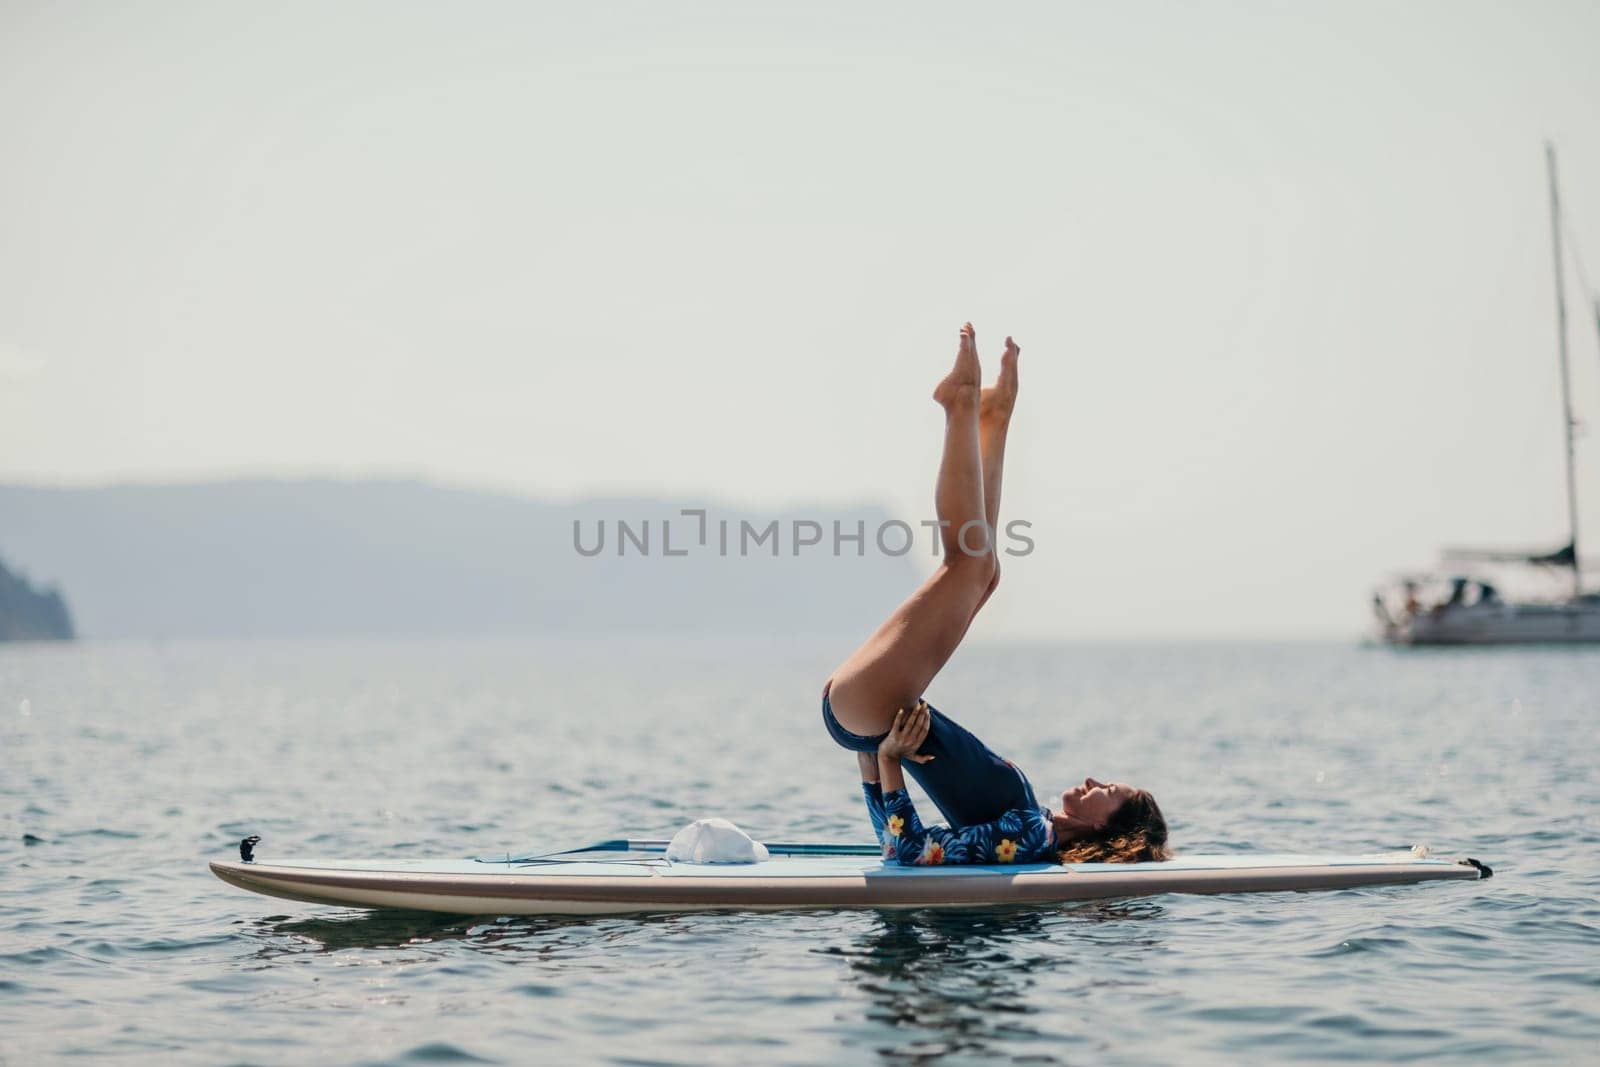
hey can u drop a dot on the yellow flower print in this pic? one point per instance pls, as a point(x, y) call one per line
point(1005, 851)
point(896, 824)
point(933, 854)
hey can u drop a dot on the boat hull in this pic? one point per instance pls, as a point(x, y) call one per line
point(1504, 624)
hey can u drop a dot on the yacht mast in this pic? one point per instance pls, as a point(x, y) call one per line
point(1566, 374)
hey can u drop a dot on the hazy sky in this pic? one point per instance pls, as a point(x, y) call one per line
point(1281, 274)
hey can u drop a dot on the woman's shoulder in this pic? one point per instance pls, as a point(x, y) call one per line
point(1027, 816)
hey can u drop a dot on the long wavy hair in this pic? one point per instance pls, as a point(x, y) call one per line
point(1135, 833)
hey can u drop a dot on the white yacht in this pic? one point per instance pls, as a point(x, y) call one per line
point(1464, 607)
point(1467, 601)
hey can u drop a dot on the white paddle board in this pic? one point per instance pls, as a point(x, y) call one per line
point(594, 884)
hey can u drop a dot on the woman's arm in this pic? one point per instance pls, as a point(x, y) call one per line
point(912, 843)
point(905, 736)
point(881, 771)
point(905, 834)
point(872, 793)
point(1016, 837)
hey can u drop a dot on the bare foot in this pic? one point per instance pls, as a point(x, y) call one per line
point(998, 400)
point(961, 386)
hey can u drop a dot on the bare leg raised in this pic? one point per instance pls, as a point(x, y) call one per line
point(994, 421)
point(893, 667)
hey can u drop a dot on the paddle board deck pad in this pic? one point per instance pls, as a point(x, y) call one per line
point(576, 884)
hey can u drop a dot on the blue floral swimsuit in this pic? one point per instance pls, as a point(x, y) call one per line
point(967, 780)
point(1021, 835)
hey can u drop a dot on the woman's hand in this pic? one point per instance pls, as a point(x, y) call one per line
point(910, 729)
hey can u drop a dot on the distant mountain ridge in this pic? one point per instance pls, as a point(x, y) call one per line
point(29, 614)
point(317, 557)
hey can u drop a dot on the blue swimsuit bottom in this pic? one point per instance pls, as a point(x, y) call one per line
point(966, 779)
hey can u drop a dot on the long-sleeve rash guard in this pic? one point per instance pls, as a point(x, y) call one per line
point(1021, 835)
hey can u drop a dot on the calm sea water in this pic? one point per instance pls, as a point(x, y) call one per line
point(124, 767)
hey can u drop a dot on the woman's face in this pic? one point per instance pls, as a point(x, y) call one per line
point(1090, 806)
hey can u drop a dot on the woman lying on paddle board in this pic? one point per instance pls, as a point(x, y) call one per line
point(873, 703)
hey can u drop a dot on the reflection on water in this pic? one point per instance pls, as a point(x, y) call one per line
point(364, 930)
point(537, 935)
point(960, 982)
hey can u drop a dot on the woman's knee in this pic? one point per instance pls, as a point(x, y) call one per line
point(979, 571)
